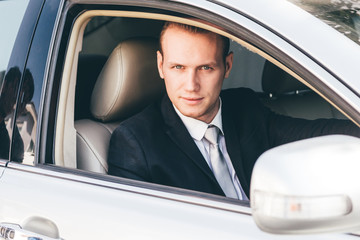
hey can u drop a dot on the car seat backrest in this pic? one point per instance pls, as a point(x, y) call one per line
point(287, 96)
point(276, 81)
point(128, 82)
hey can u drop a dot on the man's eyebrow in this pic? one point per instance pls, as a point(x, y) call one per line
point(175, 63)
point(210, 64)
point(202, 64)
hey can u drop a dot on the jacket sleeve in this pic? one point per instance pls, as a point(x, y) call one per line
point(126, 157)
point(284, 129)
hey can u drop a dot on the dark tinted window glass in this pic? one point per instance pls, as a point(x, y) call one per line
point(11, 14)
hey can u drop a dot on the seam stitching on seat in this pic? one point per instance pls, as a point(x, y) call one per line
point(119, 55)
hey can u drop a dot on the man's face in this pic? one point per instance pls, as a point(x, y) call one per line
point(193, 68)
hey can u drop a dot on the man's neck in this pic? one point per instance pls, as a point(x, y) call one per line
point(196, 127)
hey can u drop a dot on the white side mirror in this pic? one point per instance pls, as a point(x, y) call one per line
point(309, 186)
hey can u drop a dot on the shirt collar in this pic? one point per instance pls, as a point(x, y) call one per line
point(198, 128)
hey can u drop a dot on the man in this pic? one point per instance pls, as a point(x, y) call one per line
point(198, 137)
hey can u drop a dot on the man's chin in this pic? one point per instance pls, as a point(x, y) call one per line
point(195, 115)
point(190, 114)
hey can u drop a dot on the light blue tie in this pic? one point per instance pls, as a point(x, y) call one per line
point(219, 166)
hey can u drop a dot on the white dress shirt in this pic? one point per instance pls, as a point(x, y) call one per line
point(197, 131)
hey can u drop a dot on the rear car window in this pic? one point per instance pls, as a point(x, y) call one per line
point(11, 15)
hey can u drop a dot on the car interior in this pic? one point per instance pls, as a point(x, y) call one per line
point(116, 76)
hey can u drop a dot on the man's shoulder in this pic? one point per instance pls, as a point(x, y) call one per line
point(241, 92)
point(148, 118)
point(240, 97)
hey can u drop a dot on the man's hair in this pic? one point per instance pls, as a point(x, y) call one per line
point(192, 29)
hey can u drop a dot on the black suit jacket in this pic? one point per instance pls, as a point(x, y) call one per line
point(155, 146)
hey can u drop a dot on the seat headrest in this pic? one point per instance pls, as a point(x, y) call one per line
point(128, 81)
point(277, 81)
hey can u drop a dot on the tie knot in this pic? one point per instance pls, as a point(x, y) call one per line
point(212, 134)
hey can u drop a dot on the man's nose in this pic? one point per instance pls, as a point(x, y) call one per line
point(192, 81)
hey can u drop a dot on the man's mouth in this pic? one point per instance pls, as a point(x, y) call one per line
point(192, 100)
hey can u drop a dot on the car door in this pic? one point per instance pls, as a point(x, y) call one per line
point(47, 196)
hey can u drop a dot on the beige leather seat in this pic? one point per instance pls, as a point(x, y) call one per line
point(287, 96)
point(128, 82)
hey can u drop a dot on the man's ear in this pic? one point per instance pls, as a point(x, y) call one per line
point(228, 64)
point(160, 64)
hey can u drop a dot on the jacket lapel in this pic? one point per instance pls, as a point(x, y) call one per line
point(233, 144)
point(178, 133)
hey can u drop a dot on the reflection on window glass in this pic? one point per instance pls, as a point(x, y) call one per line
point(7, 106)
point(342, 15)
point(11, 14)
point(23, 133)
point(26, 119)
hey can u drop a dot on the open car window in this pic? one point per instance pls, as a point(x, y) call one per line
point(86, 118)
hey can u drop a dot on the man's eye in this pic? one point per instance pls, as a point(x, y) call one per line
point(178, 67)
point(205, 68)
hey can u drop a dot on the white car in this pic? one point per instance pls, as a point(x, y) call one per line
point(301, 57)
